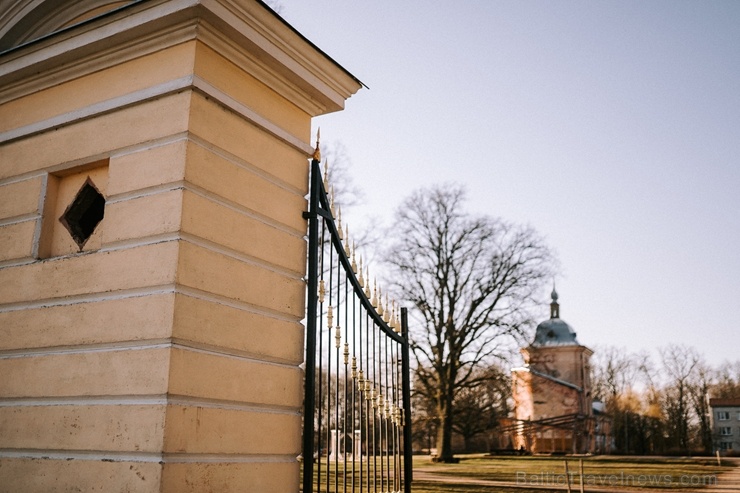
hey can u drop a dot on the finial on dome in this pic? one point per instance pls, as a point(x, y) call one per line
point(554, 306)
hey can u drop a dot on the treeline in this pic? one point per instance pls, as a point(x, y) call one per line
point(660, 405)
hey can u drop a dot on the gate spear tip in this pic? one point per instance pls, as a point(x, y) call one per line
point(317, 151)
point(326, 173)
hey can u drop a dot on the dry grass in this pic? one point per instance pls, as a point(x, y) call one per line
point(479, 474)
point(659, 474)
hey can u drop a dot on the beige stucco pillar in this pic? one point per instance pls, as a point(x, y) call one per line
point(151, 340)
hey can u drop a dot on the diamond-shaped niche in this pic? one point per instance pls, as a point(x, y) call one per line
point(84, 214)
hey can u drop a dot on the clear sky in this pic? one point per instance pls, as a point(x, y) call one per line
point(611, 127)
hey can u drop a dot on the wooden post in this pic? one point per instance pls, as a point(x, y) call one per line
point(580, 466)
point(567, 476)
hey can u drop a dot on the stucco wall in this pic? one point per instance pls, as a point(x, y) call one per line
point(163, 356)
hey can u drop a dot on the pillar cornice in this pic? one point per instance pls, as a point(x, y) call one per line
point(278, 55)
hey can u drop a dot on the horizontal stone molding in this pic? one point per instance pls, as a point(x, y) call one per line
point(171, 87)
point(160, 458)
point(137, 264)
point(82, 274)
point(32, 216)
point(224, 275)
point(242, 355)
point(146, 400)
point(151, 120)
point(42, 303)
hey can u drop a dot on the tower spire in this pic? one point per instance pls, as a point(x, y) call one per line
point(554, 305)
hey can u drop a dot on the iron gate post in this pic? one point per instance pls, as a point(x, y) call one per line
point(408, 468)
point(312, 301)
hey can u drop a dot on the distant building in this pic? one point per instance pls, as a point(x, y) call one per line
point(725, 425)
point(554, 408)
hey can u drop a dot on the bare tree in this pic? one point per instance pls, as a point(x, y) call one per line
point(617, 375)
point(614, 372)
point(728, 381)
point(338, 164)
point(699, 387)
point(478, 409)
point(472, 281)
point(424, 422)
point(679, 363)
point(348, 197)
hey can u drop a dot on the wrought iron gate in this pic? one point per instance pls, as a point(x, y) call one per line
point(357, 424)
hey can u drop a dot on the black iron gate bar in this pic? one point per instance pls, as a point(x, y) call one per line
point(377, 396)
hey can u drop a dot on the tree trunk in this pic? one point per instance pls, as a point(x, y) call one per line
point(444, 433)
point(466, 443)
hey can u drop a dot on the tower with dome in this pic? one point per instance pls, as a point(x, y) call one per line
point(554, 408)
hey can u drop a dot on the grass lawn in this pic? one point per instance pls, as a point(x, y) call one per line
point(435, 487)
point(540, 474)
point(660, 474)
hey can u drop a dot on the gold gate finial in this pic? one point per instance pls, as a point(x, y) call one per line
point(317, 151)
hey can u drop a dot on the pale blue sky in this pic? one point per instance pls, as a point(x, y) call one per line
point(611, 127)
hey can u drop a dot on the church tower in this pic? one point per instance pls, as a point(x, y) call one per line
point(552, 391)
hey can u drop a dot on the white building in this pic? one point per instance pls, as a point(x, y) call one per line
point(726, 424)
